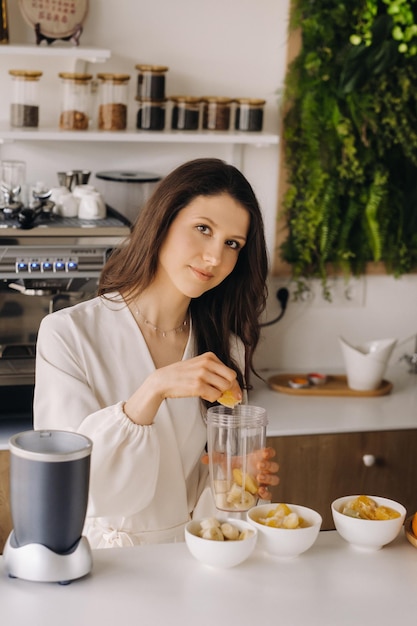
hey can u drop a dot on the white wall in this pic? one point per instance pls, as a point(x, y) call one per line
point(307, 336)
point(236, 48)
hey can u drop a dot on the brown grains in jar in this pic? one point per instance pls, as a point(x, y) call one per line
point(112, 116)
point(73, 120)
point(216, 112)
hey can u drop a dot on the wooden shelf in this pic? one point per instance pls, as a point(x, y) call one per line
point(90, 55)
point(8, 134)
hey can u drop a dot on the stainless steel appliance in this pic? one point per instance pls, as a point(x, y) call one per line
point(54, 264)
point(49, 484)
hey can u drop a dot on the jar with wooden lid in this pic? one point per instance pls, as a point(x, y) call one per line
point(24, 106)
point(249, 114)
point(151, 114)
point(216, 112)
point(112, 111)
point(185, 114)
point(151, 82)
point(75, 101)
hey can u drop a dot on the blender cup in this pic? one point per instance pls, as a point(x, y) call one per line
point(235, 440)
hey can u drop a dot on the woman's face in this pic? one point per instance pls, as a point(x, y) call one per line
point(203, 243)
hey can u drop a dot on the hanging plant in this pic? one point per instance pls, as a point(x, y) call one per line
point(351, 138)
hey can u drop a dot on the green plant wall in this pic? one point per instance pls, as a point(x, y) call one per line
point(350, 132)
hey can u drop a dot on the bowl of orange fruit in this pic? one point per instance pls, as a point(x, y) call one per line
point(410, 529)
point(285, 530)
point(368, 522)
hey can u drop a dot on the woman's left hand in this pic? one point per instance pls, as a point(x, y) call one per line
point(266, 469)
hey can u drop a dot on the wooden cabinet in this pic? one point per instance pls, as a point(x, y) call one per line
point(5, 518)
point(317, 469)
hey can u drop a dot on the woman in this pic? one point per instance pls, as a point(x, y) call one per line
point(175, 325)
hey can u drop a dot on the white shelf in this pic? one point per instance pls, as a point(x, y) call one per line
point(260, 139)
point(90, 55)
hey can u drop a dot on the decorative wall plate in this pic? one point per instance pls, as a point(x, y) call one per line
point(57, 19)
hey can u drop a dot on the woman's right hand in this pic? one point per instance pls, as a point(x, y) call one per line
point(203, 376)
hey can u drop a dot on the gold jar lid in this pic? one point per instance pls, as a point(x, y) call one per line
point(216, 99)
point(158, 69)
point(114, 78)
point(26, 74)
point(255, 102)
point(186, 99)
point(75, 76)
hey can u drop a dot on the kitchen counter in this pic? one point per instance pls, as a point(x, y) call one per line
point(330, 584)
point(290, 414)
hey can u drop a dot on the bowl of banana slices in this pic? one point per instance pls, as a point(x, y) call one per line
point(220, 543)
point(285, 530)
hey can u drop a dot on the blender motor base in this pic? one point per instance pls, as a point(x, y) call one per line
point(38, 563)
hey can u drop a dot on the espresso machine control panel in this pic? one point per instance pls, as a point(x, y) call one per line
point(66, 261)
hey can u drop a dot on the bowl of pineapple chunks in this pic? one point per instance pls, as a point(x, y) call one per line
point(368, 522)
point(219, 542)
point(285, 530)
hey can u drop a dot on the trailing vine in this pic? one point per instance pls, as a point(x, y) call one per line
point(350, 132)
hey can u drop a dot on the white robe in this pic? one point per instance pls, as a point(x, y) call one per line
point(146, 481)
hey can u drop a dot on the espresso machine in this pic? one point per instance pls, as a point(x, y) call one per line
point(47, 263)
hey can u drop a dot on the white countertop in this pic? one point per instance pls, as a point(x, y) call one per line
point(305, 415)
point(331, 584)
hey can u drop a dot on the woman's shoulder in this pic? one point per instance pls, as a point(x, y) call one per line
point(87, 311)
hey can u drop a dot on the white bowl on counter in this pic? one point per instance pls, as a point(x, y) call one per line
point(367, 534)
point(222, 554)
point(285, 542)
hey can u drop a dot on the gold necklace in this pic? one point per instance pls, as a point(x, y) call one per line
point(179, 329)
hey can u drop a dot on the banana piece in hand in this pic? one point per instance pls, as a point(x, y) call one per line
point(228, 399)
point(250, 485)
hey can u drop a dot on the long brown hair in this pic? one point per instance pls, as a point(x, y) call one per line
point(236, 304)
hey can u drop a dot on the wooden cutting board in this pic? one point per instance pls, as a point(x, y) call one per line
point(334, 386)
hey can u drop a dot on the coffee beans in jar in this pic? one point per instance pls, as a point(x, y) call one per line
point(151, 115)
point(185, 114)
point(112, 111)
point(24, 107)
point(249, 114)
point(216, 112)
point(151, 82)
point(75, 100)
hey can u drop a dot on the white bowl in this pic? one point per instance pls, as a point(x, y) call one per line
point(284, 542)
point(367, 534)
point(220, 553)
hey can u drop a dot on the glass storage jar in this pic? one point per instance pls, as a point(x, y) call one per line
point(151, 114)
point(112, 111)
point(151, 82)
point(249, 114)
point(216, 112)
point(24, 107)
point(185, 113)
point(75, 103)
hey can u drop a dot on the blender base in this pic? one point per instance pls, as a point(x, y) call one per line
point(38, 563)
